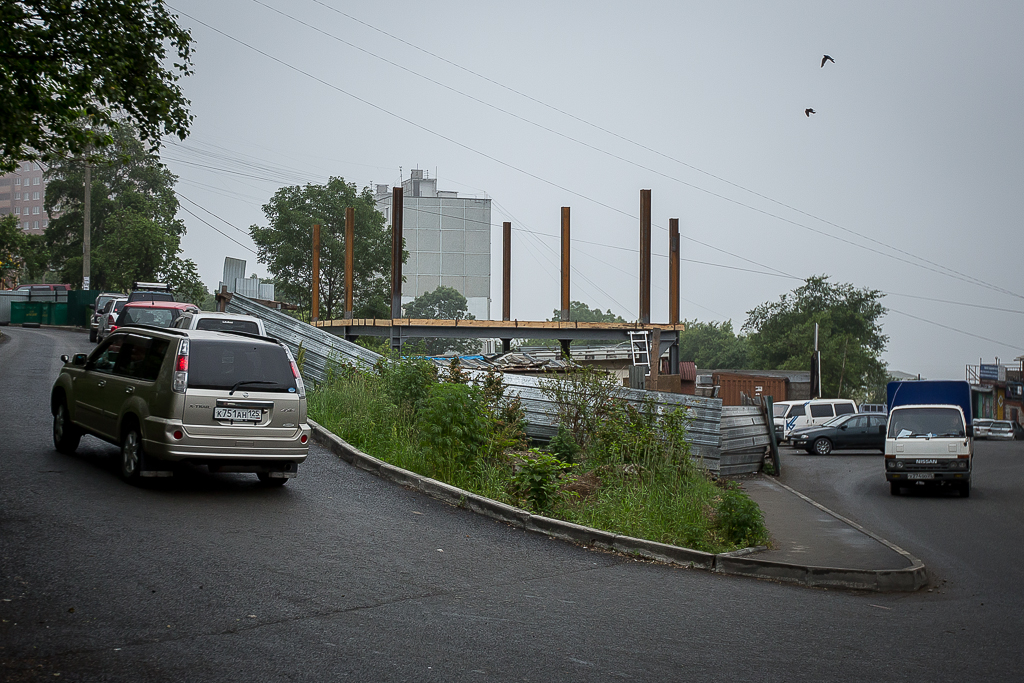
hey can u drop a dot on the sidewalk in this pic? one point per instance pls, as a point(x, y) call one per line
point(806, 534)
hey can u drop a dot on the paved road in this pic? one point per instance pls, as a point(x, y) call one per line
point(341, 576)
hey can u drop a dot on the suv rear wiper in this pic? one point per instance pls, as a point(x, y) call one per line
point(252, 381)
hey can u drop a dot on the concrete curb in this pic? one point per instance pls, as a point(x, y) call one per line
point(738, 563)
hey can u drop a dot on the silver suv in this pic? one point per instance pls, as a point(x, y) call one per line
point(229, 401)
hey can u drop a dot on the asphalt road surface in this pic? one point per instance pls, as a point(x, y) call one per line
point(340, 575)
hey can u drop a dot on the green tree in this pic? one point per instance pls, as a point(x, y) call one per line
point(12, 244)
point(135, 232)
point(444, 303)
point(781, 335)
point(74, 70)
point(284, 246)
point(580, 312)
point(713, 345)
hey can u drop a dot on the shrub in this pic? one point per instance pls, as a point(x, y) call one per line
point(563, 446)
point(582, 400)
point(739, 520)
point(454, 428)
point(538, 479)
point(407, 381)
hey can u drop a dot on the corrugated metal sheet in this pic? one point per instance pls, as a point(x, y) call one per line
point(233, 269)
point(266, 292)
point(323, 348)
point(248, 287)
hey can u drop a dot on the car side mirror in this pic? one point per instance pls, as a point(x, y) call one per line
point(970, 431)
point(92, 306)
point(79, 359)
point(64, 358)
point(843, 426)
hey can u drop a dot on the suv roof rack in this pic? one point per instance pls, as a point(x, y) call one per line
point(142, 326)
point(151, 286)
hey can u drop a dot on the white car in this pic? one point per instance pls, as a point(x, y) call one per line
point(221, 322)
point(981, 427)
point(790, 415)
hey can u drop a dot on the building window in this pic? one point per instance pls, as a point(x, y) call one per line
point(17, 181)
point(25, 225)
point(35, 195)
point(17, 195)
point(35, 225)
point(46, 223)
point(17, 210)
point(35, 210)
point(35, 181)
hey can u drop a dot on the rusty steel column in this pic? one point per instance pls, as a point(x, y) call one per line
point(564, 315)
point(506, 273)
point(506, 279)
point(673, 271)
point(396, 252)
point(314, 313)
point(645, 257)
point(396, 266)
point(350, 241)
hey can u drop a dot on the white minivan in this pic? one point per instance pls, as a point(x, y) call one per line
point(790, 415)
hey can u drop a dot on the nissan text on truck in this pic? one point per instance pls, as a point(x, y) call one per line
point(928, 439)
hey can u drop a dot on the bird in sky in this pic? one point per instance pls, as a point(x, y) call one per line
point(826, 58)
point(808, 112)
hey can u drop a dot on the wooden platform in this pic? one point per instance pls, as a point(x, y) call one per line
point(493, 329)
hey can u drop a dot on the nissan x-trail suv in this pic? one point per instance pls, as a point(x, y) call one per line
point(231, 402)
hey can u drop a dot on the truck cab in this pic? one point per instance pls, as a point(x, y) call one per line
point(928, 435)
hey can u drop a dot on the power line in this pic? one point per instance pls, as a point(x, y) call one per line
point(942, 269)
point(953, 329)
point(210, 225)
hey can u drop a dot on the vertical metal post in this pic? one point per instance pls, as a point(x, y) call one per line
point(506, 272)
point(645, 257)
point(350, 241)
point(564, 316)
point(396, 265)
point(506, 280)
point(673, 271)
point(314, 314)
point(87, 229)
point(673, 292)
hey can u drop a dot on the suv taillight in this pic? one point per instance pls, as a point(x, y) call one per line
point(296, 374)
point(181, 368)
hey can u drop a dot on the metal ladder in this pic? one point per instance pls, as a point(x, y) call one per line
point(640, 346)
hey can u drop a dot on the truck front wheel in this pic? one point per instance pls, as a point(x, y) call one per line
point(894, 488)
point(965, 489)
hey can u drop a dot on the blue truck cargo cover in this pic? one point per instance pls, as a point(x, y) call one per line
point(937, 391)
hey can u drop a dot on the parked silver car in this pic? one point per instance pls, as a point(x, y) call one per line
point(108, 317)
point(97, 313)
point(980, 427)
point(1004, 430)
point(223, 322)
point(227, 401)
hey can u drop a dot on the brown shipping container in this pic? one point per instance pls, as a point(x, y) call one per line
point(752, 385)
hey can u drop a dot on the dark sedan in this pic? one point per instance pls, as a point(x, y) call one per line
point(846, 431)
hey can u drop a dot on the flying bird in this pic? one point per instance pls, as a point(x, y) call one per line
point(826, 58)
point(808, 112)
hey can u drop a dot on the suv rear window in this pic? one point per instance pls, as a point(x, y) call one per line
point(157, 317)
point(228, 324)
point(220, 364)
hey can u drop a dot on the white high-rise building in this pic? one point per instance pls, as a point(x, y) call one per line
point(448, 238)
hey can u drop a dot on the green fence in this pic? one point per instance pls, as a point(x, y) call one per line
point(79, 300)
point(38, 313)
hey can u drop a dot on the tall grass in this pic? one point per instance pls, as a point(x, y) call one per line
point(648, 485)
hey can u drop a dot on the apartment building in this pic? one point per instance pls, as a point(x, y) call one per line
point(448, 238)
point(23, 193)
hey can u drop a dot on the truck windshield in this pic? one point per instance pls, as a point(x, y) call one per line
point(779, 410)
point(913, 423)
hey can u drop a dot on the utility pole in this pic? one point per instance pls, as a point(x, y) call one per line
point(314, 309)
point(87, 228)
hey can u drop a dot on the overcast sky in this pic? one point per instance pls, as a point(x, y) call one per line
point(908, 179)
